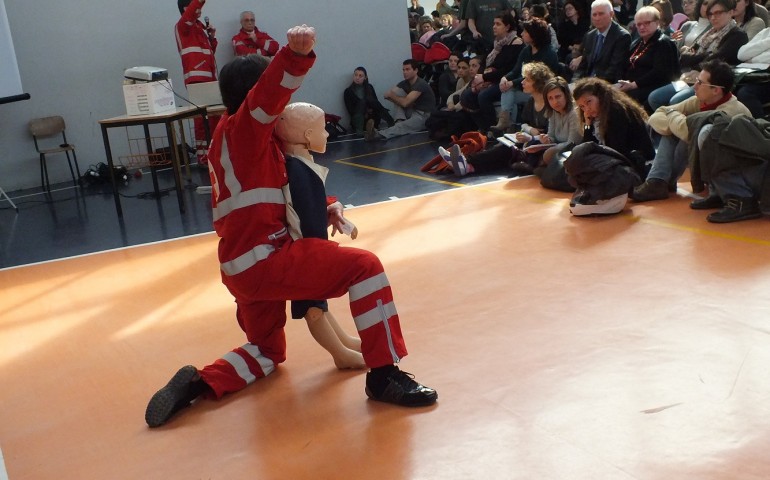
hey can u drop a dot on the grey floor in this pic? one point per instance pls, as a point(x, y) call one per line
point(75, 221)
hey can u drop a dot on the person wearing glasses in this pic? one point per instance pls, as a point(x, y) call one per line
point(653, 59)
point(250, 40)
point(721, 42)
point(690, 32)
point(712, 92)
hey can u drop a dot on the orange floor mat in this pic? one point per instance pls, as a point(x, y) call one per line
point(626, 347)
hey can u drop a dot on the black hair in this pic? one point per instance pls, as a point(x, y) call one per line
point(507, 20)
point(182, 4)
point(538, 31)
point(720, 74)
point(238, 77)
point(727, 4)
point(698, 6)
point(414, 63)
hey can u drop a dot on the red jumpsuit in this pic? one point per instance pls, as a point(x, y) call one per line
point(260, 264)
point(198, 64)
point(244, 45)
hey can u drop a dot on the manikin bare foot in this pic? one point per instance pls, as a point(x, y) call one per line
point(349, 359)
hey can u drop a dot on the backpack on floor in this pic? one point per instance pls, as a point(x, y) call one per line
point(333, 126)
point(469, 142)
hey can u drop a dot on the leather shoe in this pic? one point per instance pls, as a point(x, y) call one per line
point(736, 209)
point(709, 203)
point(651, 189)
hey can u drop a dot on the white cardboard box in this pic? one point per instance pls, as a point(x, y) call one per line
point(149, 98)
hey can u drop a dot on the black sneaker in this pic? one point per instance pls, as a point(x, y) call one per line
point(178, 393)
point(401, 389)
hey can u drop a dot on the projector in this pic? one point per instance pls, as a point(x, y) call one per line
point(146, 74)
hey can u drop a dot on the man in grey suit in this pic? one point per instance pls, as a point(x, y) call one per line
point(605, 47)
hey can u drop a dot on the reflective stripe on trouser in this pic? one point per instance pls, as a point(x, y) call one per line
point(313, 268)
point(201, 146)
point(237, 369)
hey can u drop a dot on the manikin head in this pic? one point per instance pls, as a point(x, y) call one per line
point(302, 125)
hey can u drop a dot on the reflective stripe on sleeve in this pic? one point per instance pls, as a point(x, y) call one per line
point(290, 81)
point(262, 116)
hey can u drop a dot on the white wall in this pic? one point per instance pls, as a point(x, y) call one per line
point(72, 56)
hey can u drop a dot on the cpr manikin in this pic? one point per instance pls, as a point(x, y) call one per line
point(301, 129)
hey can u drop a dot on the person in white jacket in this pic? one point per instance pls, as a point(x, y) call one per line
point(755, 95)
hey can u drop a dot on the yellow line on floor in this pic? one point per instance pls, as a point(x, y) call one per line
point(509, 193)
point(634, 218)
point(703, 231)
point(343, 161)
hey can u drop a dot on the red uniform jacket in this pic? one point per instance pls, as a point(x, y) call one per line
point(195, 47)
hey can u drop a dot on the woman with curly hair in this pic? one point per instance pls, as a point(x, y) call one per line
point(601, 105)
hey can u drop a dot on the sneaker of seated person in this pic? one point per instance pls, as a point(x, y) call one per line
point(735, 210)
point(651, 189)
point(709, 203)
point(458, 161)
point(391, 385)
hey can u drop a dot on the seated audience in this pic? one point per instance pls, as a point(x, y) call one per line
point(451, 119)
point(624, 11)
point(722, 42)
point(563, 131)
point(447, 81)
point(690, 32)
point(755, 95)
point(571, 30)
point(712, 92)
point(251, 40)
point(734, 155)
point(653, 60)
point(414, 101)
point(541, 11)
point(480, 16)
point(745, 16)
point(665, 17)
point(604, 48)
point(485, 89)
point(611, 118)
point(362, 103)
point(537, 48)
point(416, 8)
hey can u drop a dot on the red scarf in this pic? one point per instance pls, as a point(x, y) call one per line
point(705, 107)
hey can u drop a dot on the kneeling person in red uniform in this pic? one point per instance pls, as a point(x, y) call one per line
point(260, 263)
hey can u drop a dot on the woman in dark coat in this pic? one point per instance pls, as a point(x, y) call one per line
point(362, 103)
point(653, 59)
